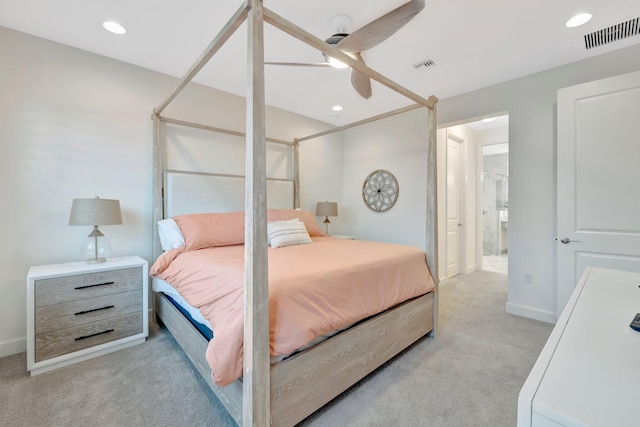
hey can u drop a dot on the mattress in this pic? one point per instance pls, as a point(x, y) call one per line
point(159, 285)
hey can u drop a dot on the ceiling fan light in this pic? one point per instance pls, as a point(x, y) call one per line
point(335, 63)
point(334, 40)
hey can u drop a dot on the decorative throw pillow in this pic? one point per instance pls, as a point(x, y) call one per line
point(306, 217)
point(287, 234)
point(285, 222)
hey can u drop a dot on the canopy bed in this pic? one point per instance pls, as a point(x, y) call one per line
point(283, 392)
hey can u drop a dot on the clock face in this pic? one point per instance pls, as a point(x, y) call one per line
point(380, 190)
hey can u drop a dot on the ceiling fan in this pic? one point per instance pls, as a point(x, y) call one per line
point(363, 39)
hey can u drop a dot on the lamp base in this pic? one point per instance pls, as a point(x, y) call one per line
point(95, 248)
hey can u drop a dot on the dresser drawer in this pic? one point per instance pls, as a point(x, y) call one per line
point(80, 286)
point(75, 313)
point(63, 341)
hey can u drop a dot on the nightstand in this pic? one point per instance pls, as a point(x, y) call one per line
point(76, 311)
point(343, 236)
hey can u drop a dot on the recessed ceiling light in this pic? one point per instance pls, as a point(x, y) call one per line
point(114, 27)
point(489, 119)
point(337, 108)
point(579, 19)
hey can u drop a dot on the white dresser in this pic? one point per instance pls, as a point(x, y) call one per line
point(589, 369)
point(77, 310)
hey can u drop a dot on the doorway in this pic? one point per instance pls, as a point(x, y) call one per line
point(495, 207)
point(480, 215)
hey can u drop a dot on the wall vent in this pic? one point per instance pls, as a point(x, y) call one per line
point(425, 65)
point(613, 33)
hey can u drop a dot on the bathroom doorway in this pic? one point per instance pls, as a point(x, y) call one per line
point(475, 220)
point(495, 207)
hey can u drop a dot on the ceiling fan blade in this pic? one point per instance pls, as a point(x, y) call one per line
point(299, 64)
point(360, 82)
point(380, 29)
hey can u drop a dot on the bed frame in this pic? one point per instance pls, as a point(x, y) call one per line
point(305, 382)
point(286, 393)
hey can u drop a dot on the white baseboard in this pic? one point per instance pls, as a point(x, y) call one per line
point(470, 269)
point(531, 313)
point(7, 348)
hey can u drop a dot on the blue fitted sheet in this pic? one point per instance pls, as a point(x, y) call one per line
point(204, 329)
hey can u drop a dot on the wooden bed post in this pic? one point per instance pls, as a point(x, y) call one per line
point(256, 377)
point(296, 174)
point(432, 206)
point(157, 186)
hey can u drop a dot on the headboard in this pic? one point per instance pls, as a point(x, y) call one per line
point(195, 192)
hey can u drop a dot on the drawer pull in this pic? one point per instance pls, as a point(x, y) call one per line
point(93, 286)
point(93, 335)
point(106, 307)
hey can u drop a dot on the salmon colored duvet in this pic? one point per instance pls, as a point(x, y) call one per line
point(313, 289)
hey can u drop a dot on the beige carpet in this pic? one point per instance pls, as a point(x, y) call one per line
point(469, 375)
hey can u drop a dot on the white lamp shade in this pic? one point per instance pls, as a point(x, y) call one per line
point(327, 209)
point(95, 212)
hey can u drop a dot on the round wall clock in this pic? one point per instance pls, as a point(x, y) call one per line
point(380, 190)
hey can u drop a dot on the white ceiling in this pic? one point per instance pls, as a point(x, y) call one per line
point(475, 44)
point(496, 122)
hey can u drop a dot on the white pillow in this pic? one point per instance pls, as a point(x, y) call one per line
point(170, 235)
point(287, 233)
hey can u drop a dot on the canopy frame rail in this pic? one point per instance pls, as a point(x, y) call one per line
point(219, 130)
point(360, 122)
point(227, 31)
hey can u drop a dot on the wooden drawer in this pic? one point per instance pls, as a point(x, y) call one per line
point(75, 313)
point(63, 341)
point(80, 286)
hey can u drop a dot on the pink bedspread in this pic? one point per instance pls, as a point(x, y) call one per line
point(313, 289)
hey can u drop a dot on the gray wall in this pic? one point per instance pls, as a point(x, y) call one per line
point(75, 124)
point(531, 104)
point(396, 144)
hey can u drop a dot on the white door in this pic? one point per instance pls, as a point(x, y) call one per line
point(598, 179)
point(454, 196)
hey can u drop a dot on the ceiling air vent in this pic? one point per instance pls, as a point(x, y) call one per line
point(425, 65)
point(613, 33)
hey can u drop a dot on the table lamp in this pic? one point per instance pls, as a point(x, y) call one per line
point(95, 212)
point(327, 209)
